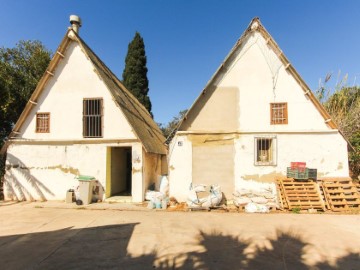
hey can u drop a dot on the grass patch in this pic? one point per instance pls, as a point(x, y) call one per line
point(296, 210)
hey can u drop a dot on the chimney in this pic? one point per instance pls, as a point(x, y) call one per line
point(75, 22)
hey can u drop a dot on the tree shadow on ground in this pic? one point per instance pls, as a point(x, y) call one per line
point(285, 250)
point(106, 247)
point(219, 252)
point(100, 247)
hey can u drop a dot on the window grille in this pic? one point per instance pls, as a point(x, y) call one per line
point(43, 122)
point(92, 118)
point(279, 113)
point(265, 150)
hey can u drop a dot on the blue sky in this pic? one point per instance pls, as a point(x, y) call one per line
point(187, 40)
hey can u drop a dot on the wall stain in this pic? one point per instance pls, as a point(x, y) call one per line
point(322, 174)
point(213, 140)
point(135, 170)
point(340, 166)
point(71, 170)
point(172, 167)
point(270, 177)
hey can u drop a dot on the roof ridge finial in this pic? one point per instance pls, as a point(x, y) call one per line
point(255, 23)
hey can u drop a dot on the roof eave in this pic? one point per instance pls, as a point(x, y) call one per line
point(49, 73)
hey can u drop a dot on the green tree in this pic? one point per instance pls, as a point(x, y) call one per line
point(169, 129)
point(343, 104)
point(21, 68)
point(135, 71)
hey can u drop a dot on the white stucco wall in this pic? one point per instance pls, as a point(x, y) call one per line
point(46, 172)
point(74, 79)
point(180, 167)
point(260, 79)
point(325, 152)
point(137, 179)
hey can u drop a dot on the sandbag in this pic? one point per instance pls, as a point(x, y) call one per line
point(164, 185)
point(256, 208)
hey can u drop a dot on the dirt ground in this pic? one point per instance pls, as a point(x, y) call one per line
point(48, 236)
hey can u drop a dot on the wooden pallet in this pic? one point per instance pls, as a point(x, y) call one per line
point(301, 195)
point(341, 194)
point(281, 195)
point(323, 196)
point(357, 184)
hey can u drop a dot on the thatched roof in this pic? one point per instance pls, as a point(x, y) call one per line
point(136, 114)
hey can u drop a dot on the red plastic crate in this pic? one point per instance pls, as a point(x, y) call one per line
point(300, 166)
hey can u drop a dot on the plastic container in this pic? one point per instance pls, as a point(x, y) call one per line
point(297, 173)
point(313, 174)
point(164, 204)
point(157, 203)
point(86, 184)
point(300, 166)
point(69, 196)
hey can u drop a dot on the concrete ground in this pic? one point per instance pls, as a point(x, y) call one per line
point(110, 236)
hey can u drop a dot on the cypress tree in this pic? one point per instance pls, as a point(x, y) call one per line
point(135, 71)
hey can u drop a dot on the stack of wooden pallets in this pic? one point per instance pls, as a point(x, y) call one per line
point(357, 184)
point(340, 194)
point(303, 195)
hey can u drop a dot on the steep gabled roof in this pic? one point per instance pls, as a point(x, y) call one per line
point(256, 26)
point(136, 114)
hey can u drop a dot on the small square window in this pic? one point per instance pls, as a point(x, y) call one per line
point(265, 151)
point(278, 113)
point(43, 122)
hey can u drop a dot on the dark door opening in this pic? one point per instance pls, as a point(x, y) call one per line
point(121, 171)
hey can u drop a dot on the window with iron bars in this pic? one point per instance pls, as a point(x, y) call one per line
point(265, 150)
point(278, 113)
point(43, 122)
point(92, 117)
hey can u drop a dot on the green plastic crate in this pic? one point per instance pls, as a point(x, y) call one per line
point(313, 174)
point(297, 174)
point(85, 177)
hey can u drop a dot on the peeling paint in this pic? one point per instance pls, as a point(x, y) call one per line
point(70, 170)
point(213, 140)
point(136, 170)
point(270, 177)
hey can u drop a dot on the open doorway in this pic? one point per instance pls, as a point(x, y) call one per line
point(120, 167)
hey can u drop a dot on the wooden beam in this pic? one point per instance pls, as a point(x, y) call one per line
point(59, 53)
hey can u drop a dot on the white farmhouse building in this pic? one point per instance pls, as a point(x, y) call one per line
point(81, 120)
point(254, 117)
